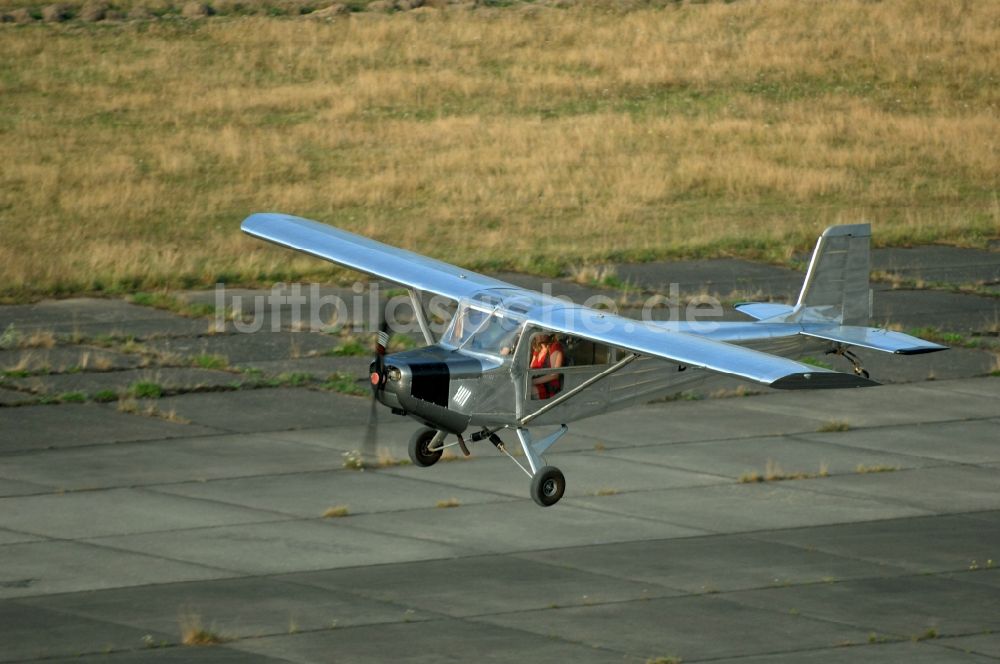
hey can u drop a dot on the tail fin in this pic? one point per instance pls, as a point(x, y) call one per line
point(836, 286)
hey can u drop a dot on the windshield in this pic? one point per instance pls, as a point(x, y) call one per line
point(484, 330)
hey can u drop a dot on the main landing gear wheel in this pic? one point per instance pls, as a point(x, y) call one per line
point(548, 486)
point(420, 452)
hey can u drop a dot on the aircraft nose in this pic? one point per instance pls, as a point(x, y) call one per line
point(386, 382)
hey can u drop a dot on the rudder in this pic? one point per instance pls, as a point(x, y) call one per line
point(836, 287)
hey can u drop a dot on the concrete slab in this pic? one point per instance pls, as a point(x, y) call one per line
point(142, 330)
point(970, 441)
point(901, 606)
point(562, 288)
point(60, 314)
point(684, 627)
point(798, 453)
point(710, 564)
point(481, 585)
point(321, 366)
point(519, 526)
point(392, 434)
point(933, 263)
point(48, 567)
point(11, 537)
point(946, 365)
point(959, 312)
point(146, 463)
point(285, 546)
point(34, 428)
point(14, 398)
point(978, 387)
point(80, 514)
point(986, 572)
point(20, 488)
point(119, 382)
point(982, 644)
point(728, 277)
point(927, 652)
point(944, 489)
point(869, 407)
point(322, 307)
point(438, 641)
point(308, 495)
point(268, 409)
point(242, 348)
point(36, 633)
point(188, 655)
point(735, 508)
point(618, 562)
point(66, 358)
point(232, 608)
point(686, 421)
point(928, 544)
point(587, 474)
point(988, 516)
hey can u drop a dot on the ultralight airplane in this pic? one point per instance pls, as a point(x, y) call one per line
point(478, 375)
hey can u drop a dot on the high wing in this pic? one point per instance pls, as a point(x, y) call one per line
point(690, 350)
point(368, 256)
point(433, 276)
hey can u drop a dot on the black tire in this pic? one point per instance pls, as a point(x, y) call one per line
point(548, 486)
point(420, 441)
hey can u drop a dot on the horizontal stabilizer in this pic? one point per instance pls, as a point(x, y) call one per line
point(764, 310)
point(874, 338)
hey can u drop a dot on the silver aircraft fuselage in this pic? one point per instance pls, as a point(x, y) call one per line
point(452, 388)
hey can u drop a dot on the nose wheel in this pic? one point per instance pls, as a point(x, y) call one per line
point(425, 450)
point(547, 486)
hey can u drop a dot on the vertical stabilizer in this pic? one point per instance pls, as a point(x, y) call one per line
point(836, 286)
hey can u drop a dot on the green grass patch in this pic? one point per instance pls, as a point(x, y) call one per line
point(210, 361)
point(345, 384)
point(168, 302)
point(351, 348)
point(145, 389)
point(72, 397)
point(812, 361)
point(105, 396)
point(292, 379)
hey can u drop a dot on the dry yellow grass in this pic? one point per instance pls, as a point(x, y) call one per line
point(336, 511)
point(495, 138)
point(193, 633)
point(773, 472)
point(832, 426)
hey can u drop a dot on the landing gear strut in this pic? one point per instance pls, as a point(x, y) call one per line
point(548, 484)
point(850, 357)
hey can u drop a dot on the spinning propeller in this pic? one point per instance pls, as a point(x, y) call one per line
point(378, 376)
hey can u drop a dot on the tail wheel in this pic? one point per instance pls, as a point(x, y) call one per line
point(420, 452)
point(548, 486)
